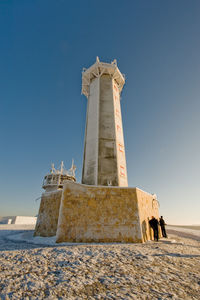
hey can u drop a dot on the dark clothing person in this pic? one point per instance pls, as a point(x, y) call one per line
point(154, 225)
point(162, 225)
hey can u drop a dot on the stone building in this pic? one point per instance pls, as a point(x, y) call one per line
point(50, 200)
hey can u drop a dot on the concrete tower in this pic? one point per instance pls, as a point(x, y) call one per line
point(104, 153)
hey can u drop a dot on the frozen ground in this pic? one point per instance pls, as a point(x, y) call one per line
point(39, 269)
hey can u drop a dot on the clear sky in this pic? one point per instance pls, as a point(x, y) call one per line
point(43, 47)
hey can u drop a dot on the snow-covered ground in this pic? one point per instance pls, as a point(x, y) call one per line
point(37, 268)
point(193, 232)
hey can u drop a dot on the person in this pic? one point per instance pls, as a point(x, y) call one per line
point(154, 225)
point(162, 225)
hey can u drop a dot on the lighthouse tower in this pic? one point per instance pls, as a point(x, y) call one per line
point(104, 160)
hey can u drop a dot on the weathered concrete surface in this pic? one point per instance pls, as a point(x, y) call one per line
point(107, 159)
point(48, 214)
point(90, 161)
point(104, 160)
point(119, 136)
point(104, 214)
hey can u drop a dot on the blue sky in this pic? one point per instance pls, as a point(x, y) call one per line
point(43, 47)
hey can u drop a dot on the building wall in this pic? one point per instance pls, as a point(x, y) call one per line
point(48, 214)
point(102, 214)
point(119, 136)
point(24, 220)
point(90, 161)
point(148, 206)
point(107, 160)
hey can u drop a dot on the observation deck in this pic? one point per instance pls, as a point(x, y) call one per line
point(55, 179)
point(98, 69)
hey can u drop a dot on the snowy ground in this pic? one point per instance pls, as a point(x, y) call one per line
point(37, 268)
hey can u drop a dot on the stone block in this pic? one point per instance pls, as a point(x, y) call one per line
point(48, 214)
point(105, 214)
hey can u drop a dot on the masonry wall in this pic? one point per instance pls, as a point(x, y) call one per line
point(148, 207)
point(102, 214)
point(48, 214)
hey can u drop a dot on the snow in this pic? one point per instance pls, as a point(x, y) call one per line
point(185, 230)
point(38, 268)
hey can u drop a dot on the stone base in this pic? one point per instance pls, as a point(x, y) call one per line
point(82, 213)
point(48, 214)
point(105, 214)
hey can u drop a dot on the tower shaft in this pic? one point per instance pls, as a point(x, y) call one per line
point(104, 153)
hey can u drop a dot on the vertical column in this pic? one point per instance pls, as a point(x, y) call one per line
point(107, 161)
point(120, 149)
point(90, 162)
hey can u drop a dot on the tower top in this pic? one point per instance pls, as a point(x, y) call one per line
point(98, 69)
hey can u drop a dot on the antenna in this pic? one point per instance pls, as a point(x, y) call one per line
point(52, 171)
point(114, 62)
point(72, 169)
point(61, 167)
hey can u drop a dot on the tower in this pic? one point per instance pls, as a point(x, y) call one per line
point(99, 209)
point(104, 160)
